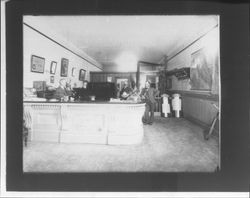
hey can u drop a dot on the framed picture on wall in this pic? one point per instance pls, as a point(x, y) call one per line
point(64, 67)
point(169, 83)
point(73, 73)
point(39, 85)
point(82, 74)
point(53, 65)
point(37, 64)
point(201, 70)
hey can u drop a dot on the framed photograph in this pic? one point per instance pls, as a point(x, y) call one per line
point(39, 85)
point(53, 65)
point(37, 64)
point(201, 71)
point(64, 67)
point(82, 74)
point(109, 79)
point(73, 73)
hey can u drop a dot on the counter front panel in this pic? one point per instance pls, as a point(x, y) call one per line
point(97, 123)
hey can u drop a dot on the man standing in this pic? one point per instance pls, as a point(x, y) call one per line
point(85, 91)
point(60, 92)
point(126, 91)
point(148, 95)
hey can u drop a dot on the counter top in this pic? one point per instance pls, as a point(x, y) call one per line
point(84, 102)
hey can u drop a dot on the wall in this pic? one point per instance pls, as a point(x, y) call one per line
point(199, 110)
point(35, 43)
point(102, 76)
point(209, 41)
point(197, 106)
point(111, 67)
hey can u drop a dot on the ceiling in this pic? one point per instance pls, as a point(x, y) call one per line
point(148, 38)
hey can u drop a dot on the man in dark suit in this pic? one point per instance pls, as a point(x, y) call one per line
point(148, 95)
point(61, 92)
point(126, 91)
point(85, 92)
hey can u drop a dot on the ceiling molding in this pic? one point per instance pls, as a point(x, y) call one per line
point(65, 44)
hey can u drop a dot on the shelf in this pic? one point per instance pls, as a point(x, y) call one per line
point(181, 74)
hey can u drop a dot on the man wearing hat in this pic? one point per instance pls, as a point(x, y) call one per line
point(148, 95)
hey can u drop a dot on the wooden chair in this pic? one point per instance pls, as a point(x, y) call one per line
point(208, 132)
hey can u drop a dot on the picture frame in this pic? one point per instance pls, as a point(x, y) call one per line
point(53, 66)
point(73, 72)
point(37, 64)
point(39, 85)
point(64, 67)
point(201, 71)
point(82, 74)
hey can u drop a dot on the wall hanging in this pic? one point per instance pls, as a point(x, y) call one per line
point(64, 67)
point(53, 65)
point(37, 64)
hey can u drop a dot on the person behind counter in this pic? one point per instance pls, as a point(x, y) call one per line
point(68, 89)
point(126, 91)
point(84, 92)
point(148, 95)
point(61, 92)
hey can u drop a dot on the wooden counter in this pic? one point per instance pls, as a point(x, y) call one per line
point(87, 122)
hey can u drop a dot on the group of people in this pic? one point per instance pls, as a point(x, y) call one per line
point(147, 95)
point(64, 91)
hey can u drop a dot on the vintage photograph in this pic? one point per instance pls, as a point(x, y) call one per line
point(37, 64)
point(146, 99)
point(64, 67)
point(82, 74)
point(53, 66)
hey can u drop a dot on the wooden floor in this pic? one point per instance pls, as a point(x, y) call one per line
point(169, 145)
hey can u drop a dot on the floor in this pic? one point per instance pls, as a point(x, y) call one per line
point(169, 145)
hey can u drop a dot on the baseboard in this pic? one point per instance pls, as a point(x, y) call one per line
point(201, 124)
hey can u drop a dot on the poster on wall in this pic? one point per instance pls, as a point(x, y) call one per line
point(82, 74)
point(53, 67)
point(64, 67)
point(73, 72)
point(201, 71)
point(37, 64)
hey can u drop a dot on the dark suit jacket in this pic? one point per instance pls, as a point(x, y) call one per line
point(149, 94)
point(84, 93)
point(59, 93)
point(128, 90)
